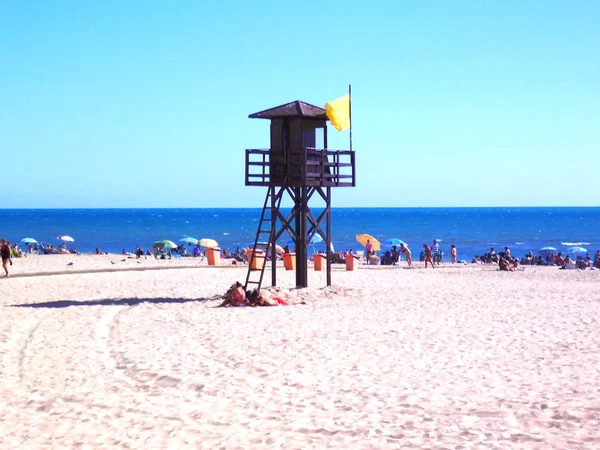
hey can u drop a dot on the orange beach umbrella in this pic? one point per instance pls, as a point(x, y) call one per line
point(362, 239)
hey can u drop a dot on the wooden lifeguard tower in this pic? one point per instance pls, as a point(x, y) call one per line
point(296, 167)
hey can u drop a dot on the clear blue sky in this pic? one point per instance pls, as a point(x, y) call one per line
point(146, 104)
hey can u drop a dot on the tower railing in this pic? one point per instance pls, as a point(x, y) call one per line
point(306, 166)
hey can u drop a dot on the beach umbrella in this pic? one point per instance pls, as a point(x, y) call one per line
point(166, 244)
point(362, 239)
point(547, 250)
point(189, 240)
point(391, 242)
point(316, 239)
point(205, 242)
point(65, 238)
point(576, 249)
point(29, 240)
point(265, 245)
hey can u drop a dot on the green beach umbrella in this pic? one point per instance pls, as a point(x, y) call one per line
point(166, 244)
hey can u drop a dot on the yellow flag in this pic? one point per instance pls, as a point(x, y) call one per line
point(338, 112)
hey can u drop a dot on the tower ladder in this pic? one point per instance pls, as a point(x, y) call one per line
point(266, 232)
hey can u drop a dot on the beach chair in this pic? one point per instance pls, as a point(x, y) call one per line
point(360, 254)
point(338, 258)
point(374, 260)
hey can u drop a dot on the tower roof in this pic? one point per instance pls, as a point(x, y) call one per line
point(293, 109)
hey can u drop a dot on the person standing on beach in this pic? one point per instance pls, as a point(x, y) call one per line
point(395, 255)
point(369, 248)
point(428, 256)
point(436, 252)
point(406, 252)
point(453, 254)
point(5, 252)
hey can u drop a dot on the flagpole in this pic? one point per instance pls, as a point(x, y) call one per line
point(350, 112)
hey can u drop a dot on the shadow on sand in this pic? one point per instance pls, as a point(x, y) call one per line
point(112, 302)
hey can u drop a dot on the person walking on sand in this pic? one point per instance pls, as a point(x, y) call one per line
point(453, 254)
point(428, 256)
point(5, 252)
point(406, 252)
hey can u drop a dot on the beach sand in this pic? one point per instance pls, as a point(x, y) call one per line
point(126, 355)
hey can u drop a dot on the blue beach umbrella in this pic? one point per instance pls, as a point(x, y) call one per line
point(389, 243)
point(29, 240)
point(189, 240)
point(545, 251)
point(316, 239)
point(576, 249)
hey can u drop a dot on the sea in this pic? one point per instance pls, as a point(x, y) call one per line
point(472, 230)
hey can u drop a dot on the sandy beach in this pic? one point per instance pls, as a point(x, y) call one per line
point(106, 353)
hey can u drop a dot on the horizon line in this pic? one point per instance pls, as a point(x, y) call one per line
point(289, 207)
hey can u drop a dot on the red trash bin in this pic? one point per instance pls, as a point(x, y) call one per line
point(351, 261)
point(259, 259)
point(319, 261)
point(289, 261)
point(214, 256)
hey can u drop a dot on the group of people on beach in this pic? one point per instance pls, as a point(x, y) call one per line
point(506, 261)
point(49, 249)
point(237, 296)
point(430, 255)
point(585, 262)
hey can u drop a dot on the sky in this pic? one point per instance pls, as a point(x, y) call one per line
point(123, 104)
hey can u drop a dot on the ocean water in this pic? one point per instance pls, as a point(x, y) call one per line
point(472, 230)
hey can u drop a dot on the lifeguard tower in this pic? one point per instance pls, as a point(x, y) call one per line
point(295, 166)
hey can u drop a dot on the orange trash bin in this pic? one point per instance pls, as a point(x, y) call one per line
point(289, 261)
point(351, 262)
point(259, 259)
point(214, 256)
point(319, 261)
